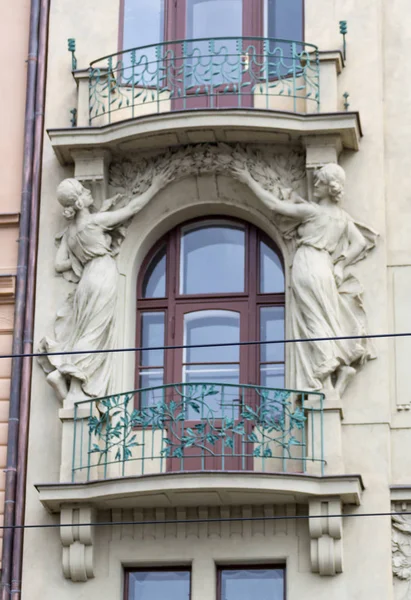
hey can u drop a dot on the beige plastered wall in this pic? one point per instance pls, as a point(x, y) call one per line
point(14, 28)
point(376, 436)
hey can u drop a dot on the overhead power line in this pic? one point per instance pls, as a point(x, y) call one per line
point(199, 521)
point(216, 345)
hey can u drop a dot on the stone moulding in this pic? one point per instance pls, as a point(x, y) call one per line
point(231, 126)
point(77, 542)
point(324, 497)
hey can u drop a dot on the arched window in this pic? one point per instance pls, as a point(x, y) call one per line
point(209, 281)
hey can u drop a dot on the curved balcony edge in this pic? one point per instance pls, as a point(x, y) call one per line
point(156, 132)
point(197, 489)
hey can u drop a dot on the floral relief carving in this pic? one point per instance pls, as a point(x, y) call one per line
point(401, 550)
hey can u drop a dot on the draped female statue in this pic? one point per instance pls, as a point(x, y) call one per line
point(86, 256)
point(326, 297)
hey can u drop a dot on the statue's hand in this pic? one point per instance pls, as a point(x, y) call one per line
point(164, 177)
point(339, 273)
point(241, 174)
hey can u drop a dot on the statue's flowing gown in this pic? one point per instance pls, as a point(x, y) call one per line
point(87, 320)
point(320, 309)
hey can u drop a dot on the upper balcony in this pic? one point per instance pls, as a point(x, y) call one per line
point(217, 73)
point(200, 90)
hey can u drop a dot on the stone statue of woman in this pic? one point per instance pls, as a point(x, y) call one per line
point(87, 319)
point(326, 297)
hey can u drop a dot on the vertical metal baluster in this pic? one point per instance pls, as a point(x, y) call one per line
point(202, 450)
point(73, 462)
point(243, 438)
point(211, 50)
point(162, 445)
point(143, 447)
point(89, 444)
point(317, 64)
point(304, 441)
point(184, 58)
point(123, 466)
point(133, 75)
point(157, 55)
point(266, 50)
point(285, 426)
point(294, 58)
point(222, 426)
point(106, 446)
point(110, 65)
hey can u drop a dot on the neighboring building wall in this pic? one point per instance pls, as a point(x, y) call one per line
point(14, 28)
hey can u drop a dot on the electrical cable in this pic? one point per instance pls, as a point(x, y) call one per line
point(217, 345)
point(199, 521)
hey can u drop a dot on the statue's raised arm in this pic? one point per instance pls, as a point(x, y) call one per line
point(87, 319)
point(325, 295)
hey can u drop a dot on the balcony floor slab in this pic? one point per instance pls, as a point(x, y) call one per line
point(160, 131)
point(201, 488)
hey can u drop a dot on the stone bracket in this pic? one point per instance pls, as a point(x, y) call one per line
point(77, 542)
point(326, 536)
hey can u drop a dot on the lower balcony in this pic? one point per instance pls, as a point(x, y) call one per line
point(201, 427)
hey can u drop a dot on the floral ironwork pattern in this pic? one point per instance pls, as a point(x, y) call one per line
point(202, 419)
point(212, 69)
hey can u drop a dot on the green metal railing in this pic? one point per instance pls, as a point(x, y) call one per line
point(198, 426)
point(205, 73)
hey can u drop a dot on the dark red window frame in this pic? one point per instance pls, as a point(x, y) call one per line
point(172, 303)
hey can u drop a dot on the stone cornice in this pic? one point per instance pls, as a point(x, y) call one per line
point(191, 127)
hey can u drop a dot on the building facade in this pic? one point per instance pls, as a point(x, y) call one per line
point(230, 173)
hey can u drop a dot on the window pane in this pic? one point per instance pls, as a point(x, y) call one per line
point(152, 585)
point(214, 18)
point(154, 284)
point(272, 328)
point(151, 379)
point(272, 376)
point(284, 19)
point(271, 271)
point(143, 23)
point(248, 584)
point(152, 335)
point(212, 260)
point(226, 401)
point(212, 327)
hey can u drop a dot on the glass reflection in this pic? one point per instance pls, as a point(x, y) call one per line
point(150, 585)
point(154, 283)
point(272, 328)
point(248, 584)
point(212, 327)
point(271, 271)
point(212, 260)
point(152, 335)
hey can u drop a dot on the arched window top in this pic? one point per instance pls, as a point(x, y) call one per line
point(154, 281)
point(215, 256)
point(212, 258)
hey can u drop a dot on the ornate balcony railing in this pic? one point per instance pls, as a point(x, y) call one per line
point(262, 73)
point(198, 427)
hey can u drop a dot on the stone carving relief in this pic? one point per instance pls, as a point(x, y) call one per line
point(325, 296)
point(86, 321)
point(322, 237)
point(401, 551)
